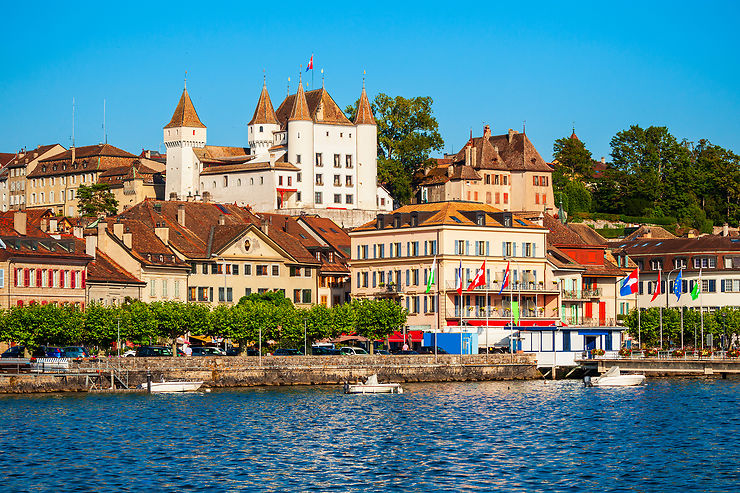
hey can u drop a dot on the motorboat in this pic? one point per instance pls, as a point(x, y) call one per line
point(371, 386)
point(173, 386)
point(614, 378)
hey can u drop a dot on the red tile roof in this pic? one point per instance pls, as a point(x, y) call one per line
point(264, 113)
point(105, 270)
point(185, 114)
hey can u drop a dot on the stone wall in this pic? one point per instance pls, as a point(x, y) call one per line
point(293, 370)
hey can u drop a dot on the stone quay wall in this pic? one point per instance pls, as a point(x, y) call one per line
point(237, 371)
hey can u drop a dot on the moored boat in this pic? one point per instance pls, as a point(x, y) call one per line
point(173, 386)
point(614, 378)
point(371, 386)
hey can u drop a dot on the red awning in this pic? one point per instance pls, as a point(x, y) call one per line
point(412, 336)
point(503, 323)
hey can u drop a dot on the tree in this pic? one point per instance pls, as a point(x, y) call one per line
point(96, 200)
point(573, 158)
point(377, 319)
point(407, 134)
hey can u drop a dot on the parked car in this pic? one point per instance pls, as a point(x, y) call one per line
point(383, 352)
point(76, 352)
point(54, 352)
point(287, 352)
point(324, 351)
point(401, 352)
point(150, 351)
point(14, 352)
point(207, 351)
point(232, 351)
point(128, 353)
point(430, 350)
point(348, 350)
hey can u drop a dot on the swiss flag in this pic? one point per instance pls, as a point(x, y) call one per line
point(310, 64)
point(479, 279)
point(657, 289)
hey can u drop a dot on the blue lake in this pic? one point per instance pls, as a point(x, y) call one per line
point(670, 435)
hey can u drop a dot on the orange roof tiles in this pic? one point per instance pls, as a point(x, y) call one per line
point(185, 114)
point(364, 110)
point(264, 113)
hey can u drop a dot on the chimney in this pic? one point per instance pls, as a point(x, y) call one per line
point(148, 154)
point(467, 155)
point(163, 234)
point(221, 220)
point(725, 229)
point(511, 134)
point(128, 240)
point(73, 154)
point(486, 132)
point(473, 155)
point(450, 170)
point(272, 160)
point(19, 222)
point(77, 232)
point(181, 215)
point(102, 236)
point(265, 228)
point(91, 245)
point(118, 230)
point(603, 160)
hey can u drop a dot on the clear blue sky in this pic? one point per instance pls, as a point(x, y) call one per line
point(600, 65)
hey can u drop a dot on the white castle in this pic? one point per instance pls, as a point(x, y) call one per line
point(307, 155)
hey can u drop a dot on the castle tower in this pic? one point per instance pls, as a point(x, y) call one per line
point(262, 125)
point(184, 132)
point(367, 153)
point(300, 150)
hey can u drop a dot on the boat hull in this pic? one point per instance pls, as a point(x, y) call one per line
point(618, 381)
point(381, 388)
point(173, 386)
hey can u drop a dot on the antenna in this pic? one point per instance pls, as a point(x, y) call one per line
point(105, 134)
point(322, 78)
point(73, 121)
point(288, 92)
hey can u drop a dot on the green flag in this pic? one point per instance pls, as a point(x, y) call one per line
point(515, 311)
point(697, 289)
point(430, 277)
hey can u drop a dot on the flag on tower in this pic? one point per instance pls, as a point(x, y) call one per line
point(479, 279)
point(430, 277)
point(657, 289)
point(310, 64)
point(458, 284)
point(505, 282)
point(697, 288)
point(629, 284)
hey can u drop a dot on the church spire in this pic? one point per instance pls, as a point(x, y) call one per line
point(264, 113)
point(300, 105)
point(185, 114)
point(364, 110)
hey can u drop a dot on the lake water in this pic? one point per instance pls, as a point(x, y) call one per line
point(670, 435)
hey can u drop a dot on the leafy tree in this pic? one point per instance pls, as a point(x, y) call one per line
point(407, 134)
point(577, 197)
point(377, 319)
point(96, 200)
point(574, 159)
point(276, 298)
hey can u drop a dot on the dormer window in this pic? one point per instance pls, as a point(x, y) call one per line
point(396, 221)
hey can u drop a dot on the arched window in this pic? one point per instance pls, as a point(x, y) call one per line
point(226, 181)
point(261, 128)
point(262, 180)
point(239, 182)
point(251, 181)
point(214, 184)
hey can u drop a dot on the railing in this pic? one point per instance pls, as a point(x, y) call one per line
point(391, 288)
point(583, 294)
point(669, 355)
point(496, 286)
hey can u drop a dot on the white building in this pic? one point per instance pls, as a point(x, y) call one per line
point(306, 156)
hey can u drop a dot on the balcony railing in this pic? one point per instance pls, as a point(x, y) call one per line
point(514, 286)
point(583, 294)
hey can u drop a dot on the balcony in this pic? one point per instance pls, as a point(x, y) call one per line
point(390, 290)
point(584, 294)
point(495, 286)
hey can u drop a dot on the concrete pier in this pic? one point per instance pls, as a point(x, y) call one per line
point(276, 370)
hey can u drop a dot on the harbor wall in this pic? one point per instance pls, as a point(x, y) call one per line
point(294, 370)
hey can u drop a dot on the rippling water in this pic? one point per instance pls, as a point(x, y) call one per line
point(670, 435)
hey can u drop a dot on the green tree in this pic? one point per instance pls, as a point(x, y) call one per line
point(276, 298)
point(577, 197)
point(407, 134)
point(96, 200)
point(574, 159)
point(377, 319)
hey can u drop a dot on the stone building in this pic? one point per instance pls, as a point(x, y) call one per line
point(13, 195)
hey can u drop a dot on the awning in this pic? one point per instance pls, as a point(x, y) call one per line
point(594, 333)
point(502, 323)
point(411, 336)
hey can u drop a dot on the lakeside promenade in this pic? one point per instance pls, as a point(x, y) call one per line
point(249, 371)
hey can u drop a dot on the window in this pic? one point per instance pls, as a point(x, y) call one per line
point(275, 270)
point(348, 198)
point(299, 177)
point(337, 161)
point(348, 161)
point(679, 263)
point(247, 269)
point(317, 197)
point(306, 296)
point(153, 288)
point(280, 181)
point(506, 198)
point(296, 296)
point(290, 181)
point(337, 198)
point(348, 180)
point(536, 180)
point(176, 289)
point(507, 248)
point(705, 262)
point(298, 159)
point(656, 264)
point(261, 270)
point(164, 288)
point(488, 179)
point(221, 294)
point(226, 181)
point(262, 180)
point(364, 279)
point(337, 180)
point(319, 160)
point(319, 179)
point(505, 179)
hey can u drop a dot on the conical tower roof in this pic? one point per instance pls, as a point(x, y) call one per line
point(185, 114)
point(300, 106)
point(264, 113)
point(364, 110)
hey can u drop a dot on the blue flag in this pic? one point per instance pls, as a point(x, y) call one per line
point(677, 285)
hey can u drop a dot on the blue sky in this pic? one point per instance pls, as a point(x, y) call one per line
point(600, 65)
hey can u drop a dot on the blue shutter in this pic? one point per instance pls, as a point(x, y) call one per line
point(358, 251)
point(488, 277)
point(408, 277)
point(457, 248)
point(374, 278)
point(426, 245)
point(467, 247)
point(407, 303)
point(514, 245)
point(488, 248)
point(503, 248)
point(358, 279)
point(722, 285)
point(425, 305)
point(534, 249)
point(467, 276)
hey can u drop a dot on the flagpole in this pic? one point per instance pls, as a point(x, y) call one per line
point(639, 333)
point(680, 292)
point(701, 308)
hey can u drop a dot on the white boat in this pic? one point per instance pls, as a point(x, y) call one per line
point(173, 386)
point(371, 386)
point(614, 378)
